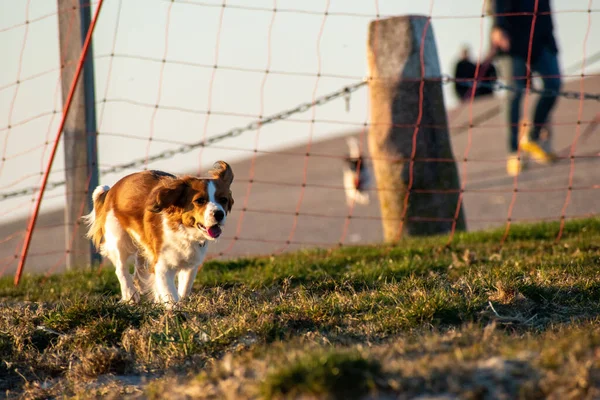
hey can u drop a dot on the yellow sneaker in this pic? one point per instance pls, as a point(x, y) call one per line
point(542, 154)
point(514, 164)
point(537, 152)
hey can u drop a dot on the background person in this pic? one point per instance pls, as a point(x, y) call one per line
point(527, 45)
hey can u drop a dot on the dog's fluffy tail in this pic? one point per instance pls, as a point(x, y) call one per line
point(354, 193)
point(356, 175)
point(95, 220)
point(353, 147)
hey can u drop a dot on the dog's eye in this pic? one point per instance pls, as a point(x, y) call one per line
point(201, 201)
point(223, 200)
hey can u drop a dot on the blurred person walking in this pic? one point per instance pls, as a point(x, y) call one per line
point(523, 35)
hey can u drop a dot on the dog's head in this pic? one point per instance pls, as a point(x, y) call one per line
point(196, 203)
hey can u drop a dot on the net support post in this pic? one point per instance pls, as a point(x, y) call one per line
point(79, 140)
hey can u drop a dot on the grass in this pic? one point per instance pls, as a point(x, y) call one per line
point(341, 374)
point(474, 320)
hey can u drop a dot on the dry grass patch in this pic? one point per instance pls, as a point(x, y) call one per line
point(473, 321)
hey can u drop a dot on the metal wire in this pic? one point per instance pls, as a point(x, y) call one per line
point(186, 148)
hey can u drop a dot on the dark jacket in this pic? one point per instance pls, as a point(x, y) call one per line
point(518, 27)
point(465, 69)
point(465, 73)
point(488, 72)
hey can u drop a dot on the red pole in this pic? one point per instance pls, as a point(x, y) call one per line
point(67, 106)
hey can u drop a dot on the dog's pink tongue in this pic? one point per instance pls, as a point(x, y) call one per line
point(214, 231)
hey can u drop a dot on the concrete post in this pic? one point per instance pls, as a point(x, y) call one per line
point(407, 105)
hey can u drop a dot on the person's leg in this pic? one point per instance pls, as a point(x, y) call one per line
point(514, 72)
point(547, 66)
point(504, 64)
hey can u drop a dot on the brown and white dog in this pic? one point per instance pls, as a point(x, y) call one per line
point(165, 223)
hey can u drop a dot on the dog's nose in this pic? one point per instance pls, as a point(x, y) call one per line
point(219, 215)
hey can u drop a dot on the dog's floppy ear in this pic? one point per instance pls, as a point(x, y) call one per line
point(230, 202)
point(171, 193)
point(221, 170)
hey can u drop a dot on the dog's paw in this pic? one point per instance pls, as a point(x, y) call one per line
point(131, 298)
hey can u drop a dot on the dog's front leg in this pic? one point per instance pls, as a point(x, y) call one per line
point(165, 290)
point(185, 279)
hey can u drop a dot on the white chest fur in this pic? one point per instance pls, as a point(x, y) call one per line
point(183, 247)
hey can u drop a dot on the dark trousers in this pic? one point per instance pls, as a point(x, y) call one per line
point(514, 70)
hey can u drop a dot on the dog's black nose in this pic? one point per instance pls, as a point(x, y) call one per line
point(219, 215)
